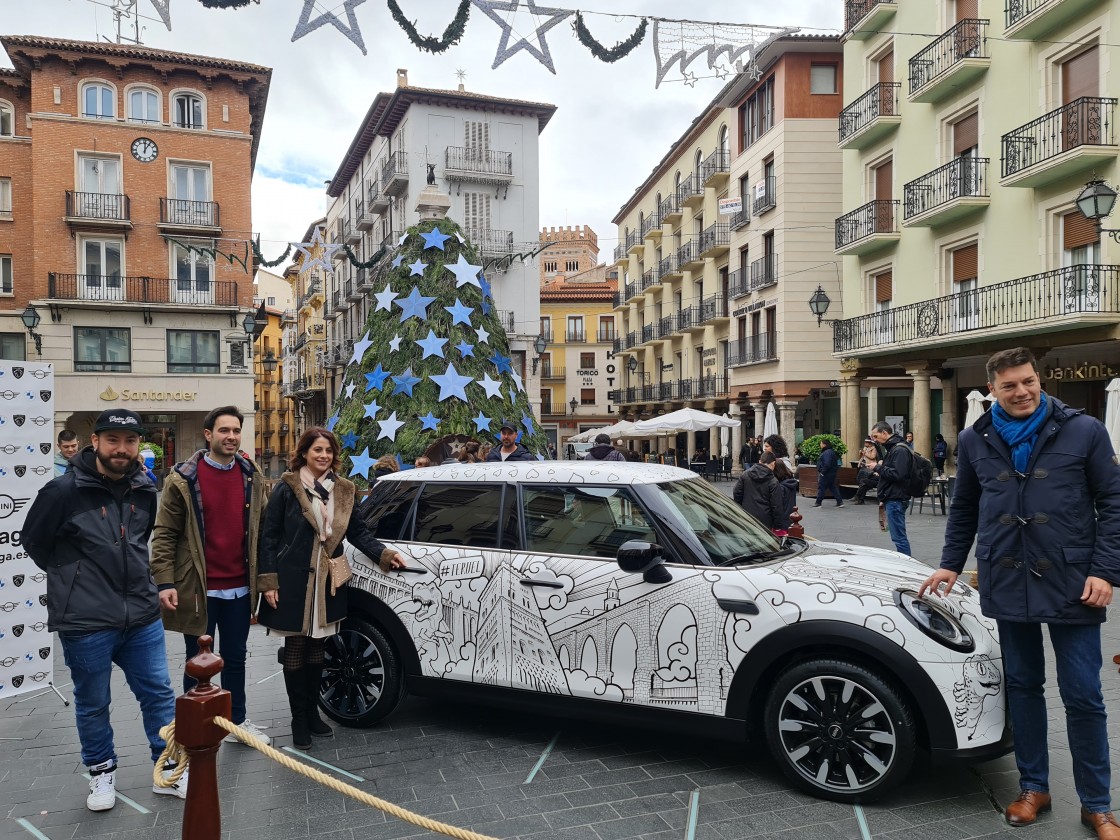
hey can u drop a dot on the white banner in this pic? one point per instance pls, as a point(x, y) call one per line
point(26, 464)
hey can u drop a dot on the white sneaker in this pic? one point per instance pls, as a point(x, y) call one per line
point(178, 789)
point(102, 787)
point(252, 729)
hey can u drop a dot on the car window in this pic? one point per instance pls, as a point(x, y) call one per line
point(386, 511)
point(459, 514)
point(592, 521)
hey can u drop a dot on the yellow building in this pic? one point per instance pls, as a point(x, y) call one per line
point(305, 358)
point(274, 438)
point(963, 156)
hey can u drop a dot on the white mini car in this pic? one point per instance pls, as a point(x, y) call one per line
point(635, 591)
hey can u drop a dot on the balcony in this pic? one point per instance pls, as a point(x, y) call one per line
point(378, 201)
point(507, 319)
point(665, 327)
point(1073, 138)
point(350, 290)
point(872, 227)
point(871, 117)
point(668, 267)
point(98, 210)
point(954, 60)
point(948, 193)
point(551, 371)
point(336, 305)
point(390, 240)
point(649, 279)
point(670, 209)
point(618, 252)
point(765, 195)
point(631, 339)
point(715, 240)
point(649, 332)
point(704, 387)
point(364, 279)
point(716, 168)
point(632, 290)
point(618, 345)
point(688, 318)
point(682, 389)
point(634, 242)
point(480, 166)
point(764, 272)
point(738, 283)
point(863, 18)
point(713, 308)
point(651, 226)
point(741, 219)
point(491, 242)
point(1070, 298)
point(190, 216)
point(575, 337)
point(350, 234)
point(606, 334)
point(394, 174)
point(288, 316)
point(691, 191)
point(688, 255)
point(142, 290)
point(1030, 19)
point(366, 219)
point(753, 350)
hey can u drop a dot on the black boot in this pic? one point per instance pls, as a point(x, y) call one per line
point(296, 685)
point(313, 676)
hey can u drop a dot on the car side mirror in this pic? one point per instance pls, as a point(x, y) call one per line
point(637, 557)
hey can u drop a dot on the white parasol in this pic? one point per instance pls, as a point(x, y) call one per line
point(770, 424)
point(975, 408)
point(724, 439)
point(683, 420)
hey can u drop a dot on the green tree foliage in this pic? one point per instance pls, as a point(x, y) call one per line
point(811, 446)
point(352, 424)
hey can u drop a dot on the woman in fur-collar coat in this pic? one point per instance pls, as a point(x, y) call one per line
point(310, 512)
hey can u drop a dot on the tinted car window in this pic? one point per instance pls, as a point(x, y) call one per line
point(724, 529)
point(459, 514)
point(592, 521)
point(386, 512)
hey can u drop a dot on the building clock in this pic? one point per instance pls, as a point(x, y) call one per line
point(144, 150)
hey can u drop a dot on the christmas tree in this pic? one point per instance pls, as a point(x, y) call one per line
point(433, 360)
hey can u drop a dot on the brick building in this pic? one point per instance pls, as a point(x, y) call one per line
point(569, 251)
point(117, 162)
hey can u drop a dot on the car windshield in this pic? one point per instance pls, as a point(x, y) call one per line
point(726, 531)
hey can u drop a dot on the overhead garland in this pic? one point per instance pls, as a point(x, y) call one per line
point(619, 50)
point(224, 4)
point(451, 35)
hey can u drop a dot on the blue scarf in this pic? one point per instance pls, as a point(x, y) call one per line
point(1020, 435)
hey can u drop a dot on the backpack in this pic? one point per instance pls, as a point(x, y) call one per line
point(921, 474)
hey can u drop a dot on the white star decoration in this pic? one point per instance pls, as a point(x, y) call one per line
point(325, 251)
point(491, 386)
point(395, 343)
point(306, 25)
point(360, 348)
point(388, 428)
point(464, 273)
point(385, 299)
point(483, 336)
point(490, 8)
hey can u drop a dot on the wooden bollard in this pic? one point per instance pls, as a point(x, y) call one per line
point(795, 529)
point(201, 739)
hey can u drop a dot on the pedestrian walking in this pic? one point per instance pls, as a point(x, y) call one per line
point(940, 453)
point(1038, 488)
point(603, 451)
point(88, 530)
point(828, 469)
point(760, 494)
point(204, 556)
point(302, 571)
point(893, 491)
point(67, 448)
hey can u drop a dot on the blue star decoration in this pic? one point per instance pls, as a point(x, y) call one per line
point(434, 238)
point(465, 349)
point(361, 464)
point(417, 269)
point(388, 428)
point(306, 25)
point(482, 423)
point(432, 345)
point(487, 293)
point(502, 362)
point(349, 440)
point(377, 378)
point(490, 8)
point(460, 313)
point(429, 422)
point(397, 260)
point(414, 306)
point(371, 410)
point(404, 383)
point(464, 272)
point(527, 422)
point(332, 421)
point(451, 383)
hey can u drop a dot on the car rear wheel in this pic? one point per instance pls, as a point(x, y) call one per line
point(362, 679)
point(839, 730)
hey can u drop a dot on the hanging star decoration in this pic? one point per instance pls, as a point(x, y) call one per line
point(429, 422)
point(434, 238)
point(349, 440)
point(163, 7)
point(492, 387)
point(417, 269)
point(388, 428)
point(414, 306)
point(395, 343)
point(385, 299)
point(332, 421)
point(501, 362)
point(371, 410)
point(451, 383)
point(465, 349)
point(527, 422)
point(680, 42)
point(464, 272)
point(689, 78)
point(460, 313)
point(402, 240)
point(397, 260)
point(376, 380)
point(517, 380)
point(361, 464)
point(404, 383)
point(306, 25)
point(482, 423)
point(433, 346)
point(360, 348)
point(540, 52)
point(317, 252)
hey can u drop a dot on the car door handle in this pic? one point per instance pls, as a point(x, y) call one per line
point(412, 569)
point(551, 584)
point(736, 605)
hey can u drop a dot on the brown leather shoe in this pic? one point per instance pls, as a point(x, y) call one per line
point(1104, 824)
point(1025, 809)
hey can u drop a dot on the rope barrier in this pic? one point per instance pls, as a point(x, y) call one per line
point(177, 753)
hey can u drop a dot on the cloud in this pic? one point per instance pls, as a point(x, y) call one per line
point(582, 683)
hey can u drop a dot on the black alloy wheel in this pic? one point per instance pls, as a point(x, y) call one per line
point(362, 680)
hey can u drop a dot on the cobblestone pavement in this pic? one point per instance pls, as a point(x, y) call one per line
point(510, 776)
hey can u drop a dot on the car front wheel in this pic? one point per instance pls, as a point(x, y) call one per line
point(839, 730)
point(362, 680)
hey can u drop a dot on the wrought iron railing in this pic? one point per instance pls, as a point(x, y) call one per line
point(111, 207)
point(575, 336)
point(766, 198)
point(687, 317)
point(1027, 301)
point(959, 178)
point(709, 386)
point(396, 166)
point(479, 161)
point(507, 318)
point(880, 101)
point(631, 339)
point(968, 39)
point(648, 333)
point(713, 236)
point(682, 389)
point(665, 326)
point(668, 265)
point(687, 253)
point(1086, 121)
point(670, 206)
point(633, 239)
point(194, 292)
point(752, 350)
point(618, 252)
point(689, 188)
point(649, 279)
point(738, 283)
point(764, 272)
point(717, 162)
point(178, 211)
point(880, 216)
point(606, 334)
point(632, 289)
point(552, 371)
point(742, 218)
point(1017, 10)
point(618, 345)
point(856, 10)
point(712, 307)
point(491, 241)
point(650, 222)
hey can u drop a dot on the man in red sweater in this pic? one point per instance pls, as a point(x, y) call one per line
point(204, 556)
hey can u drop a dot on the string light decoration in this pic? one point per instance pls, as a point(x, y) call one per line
point(678, 42)
point(618, 51)
point(224, 4)
point(451, 35)
point(306, 25)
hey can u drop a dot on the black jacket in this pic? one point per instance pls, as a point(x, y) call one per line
point(828, 462)
point(519, 454)
point(1038, 535)
point(94, 549)
point(760, 494)
point(602, 452)
point(894, 471)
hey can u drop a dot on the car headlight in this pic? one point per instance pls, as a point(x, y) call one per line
point(935, 621)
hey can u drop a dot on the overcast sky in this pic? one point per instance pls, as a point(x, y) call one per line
point(612, 124)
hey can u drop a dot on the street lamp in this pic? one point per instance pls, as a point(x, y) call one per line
point(540, 345)
point(31, 319)
point(632, 366)
point(269, 363)
point(573, 405)
point(819, 303)
point(1095, 203)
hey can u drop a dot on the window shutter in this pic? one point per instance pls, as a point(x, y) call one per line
point(476, 134)
point(886, 67)
point(884, 175)
point(966, 263)
point(966, 134)
point(884, 287)
point(967, 10)
point(1081, 76)
point(1077, 231)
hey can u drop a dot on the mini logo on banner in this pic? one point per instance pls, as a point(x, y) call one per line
point(44, 652)
point(21, 470)
point(20, 419)
point(17, 372)
point(45, 396)
point(9, 505)
point(8, 395)
point(45, 448)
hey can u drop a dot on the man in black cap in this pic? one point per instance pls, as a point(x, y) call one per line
point(510, 449)
point(603, 451)
point(88, 530)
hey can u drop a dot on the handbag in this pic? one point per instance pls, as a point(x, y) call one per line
point(339, 572)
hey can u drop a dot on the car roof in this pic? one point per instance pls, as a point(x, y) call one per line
point(553, 472)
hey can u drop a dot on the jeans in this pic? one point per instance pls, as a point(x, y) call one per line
point(896, 524)
point(231, 619)
point(140, 653)
point(829, 483)
point(1077, 656)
